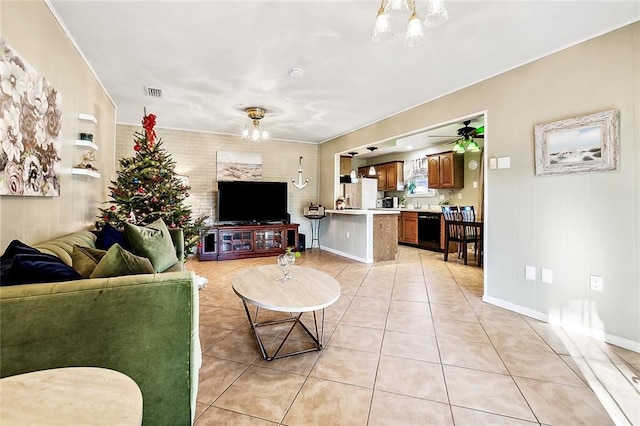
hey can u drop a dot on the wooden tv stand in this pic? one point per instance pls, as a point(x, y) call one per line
point(225, 242)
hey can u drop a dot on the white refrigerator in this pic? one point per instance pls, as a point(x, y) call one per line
point(361, 195)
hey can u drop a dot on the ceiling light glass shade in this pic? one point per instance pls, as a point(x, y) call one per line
point(352, 175)
point(397, 8)
point(436, 13)
point(473, 146)
point(255, 134)
point(372, 171)
point(265, 134)
point(415, 34)
point(458, 148)
point(245, 133)
point(382, 29)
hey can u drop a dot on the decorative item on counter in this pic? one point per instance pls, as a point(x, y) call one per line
point(340, 203)
point(300, 184)
point(86, 137)
point(87, 158)
point(314, 210)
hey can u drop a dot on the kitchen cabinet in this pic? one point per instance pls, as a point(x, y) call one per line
point(446, 170)
point(390, 176)
point(409, 227)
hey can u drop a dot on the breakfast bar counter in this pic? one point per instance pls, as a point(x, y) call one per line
point(364, 235)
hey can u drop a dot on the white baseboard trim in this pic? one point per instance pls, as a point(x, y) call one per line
point(343, 254)
point(569, 326)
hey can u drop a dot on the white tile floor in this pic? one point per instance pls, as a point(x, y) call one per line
point(409, 342)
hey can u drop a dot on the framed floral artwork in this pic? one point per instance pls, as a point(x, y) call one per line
point(29, 129)
point(582, 144)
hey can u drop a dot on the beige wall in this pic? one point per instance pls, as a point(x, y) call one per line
point(575, 225)
point(33, 32)
point(195, 157)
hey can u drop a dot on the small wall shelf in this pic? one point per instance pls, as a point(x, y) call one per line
point(86, 144)
point(87, 172)
point(87, 117)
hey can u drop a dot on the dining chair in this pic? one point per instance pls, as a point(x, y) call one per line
point(467, 213)
point(459, 232)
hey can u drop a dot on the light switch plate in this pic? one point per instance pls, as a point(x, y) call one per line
point(547, 276)
point(493, 163)
point(504, 162)
point(475, 183)
point(530, 272)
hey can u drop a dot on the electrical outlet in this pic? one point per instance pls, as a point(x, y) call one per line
point(547, 276)
point(596, 283)
point(442, 197)
point(459, 196)
point(475, 183)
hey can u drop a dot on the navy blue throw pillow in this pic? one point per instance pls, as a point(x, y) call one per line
point(14, 248)
point(108, 236)
point(17, 247)
point(38, 268)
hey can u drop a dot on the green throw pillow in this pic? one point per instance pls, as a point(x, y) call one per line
point(85, 259)
point(153, 242)
point(118, 262)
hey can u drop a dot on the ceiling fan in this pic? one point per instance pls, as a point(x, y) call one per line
point(474, 132)
point(464, 140)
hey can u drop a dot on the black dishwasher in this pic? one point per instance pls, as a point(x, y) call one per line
point(429, 230)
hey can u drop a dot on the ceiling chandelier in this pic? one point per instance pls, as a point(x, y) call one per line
point(401, 9)
point(255, 114)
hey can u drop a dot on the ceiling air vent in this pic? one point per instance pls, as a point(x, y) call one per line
point(154, 92)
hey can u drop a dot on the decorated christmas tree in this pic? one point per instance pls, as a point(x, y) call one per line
point(147, 188)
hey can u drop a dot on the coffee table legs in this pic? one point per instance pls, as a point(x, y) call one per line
point(295, 320)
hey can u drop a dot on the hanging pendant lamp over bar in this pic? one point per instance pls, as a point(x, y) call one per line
point(372, 170)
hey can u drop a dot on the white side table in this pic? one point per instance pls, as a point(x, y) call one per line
point(70, 396)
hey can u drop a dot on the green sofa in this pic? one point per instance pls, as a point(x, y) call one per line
point(145, 326)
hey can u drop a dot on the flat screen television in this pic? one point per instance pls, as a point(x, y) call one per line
point(242, 202)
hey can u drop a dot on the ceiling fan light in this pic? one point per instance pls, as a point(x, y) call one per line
point(382, 28)
point(415, 34)
point(436, 13)
point(473, 146)
point(458, 148)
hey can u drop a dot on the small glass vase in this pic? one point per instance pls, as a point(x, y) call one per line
point(285, 260)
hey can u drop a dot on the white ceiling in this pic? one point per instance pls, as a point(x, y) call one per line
point(212, 59)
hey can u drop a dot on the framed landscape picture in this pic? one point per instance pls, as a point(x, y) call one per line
point(576, 145)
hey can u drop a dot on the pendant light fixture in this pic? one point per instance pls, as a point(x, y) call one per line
point(353, 175)
point(372, 170)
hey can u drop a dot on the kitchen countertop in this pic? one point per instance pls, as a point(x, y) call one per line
point(364, 211)
point(431, 209)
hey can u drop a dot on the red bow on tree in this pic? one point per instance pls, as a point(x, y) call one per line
point(148, 122)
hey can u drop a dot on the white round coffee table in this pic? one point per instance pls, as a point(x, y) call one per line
point(309, 290)
point(70, 396)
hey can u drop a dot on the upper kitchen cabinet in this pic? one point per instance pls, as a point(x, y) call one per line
point(446, 170)
point(390, 176)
